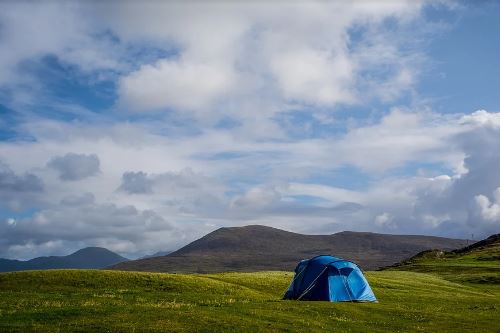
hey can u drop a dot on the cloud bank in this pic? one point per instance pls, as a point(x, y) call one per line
point(139, 210)
point(129, 128)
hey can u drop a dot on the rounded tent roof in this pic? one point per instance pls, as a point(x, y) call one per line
point(318, 263)
point(324, 259)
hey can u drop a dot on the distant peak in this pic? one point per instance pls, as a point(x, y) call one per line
point(95, 251)
point(92, 249)
point(252, 227)
point(258, 227)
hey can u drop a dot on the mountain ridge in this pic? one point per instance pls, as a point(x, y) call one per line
point(89, 257)
point(256, 247)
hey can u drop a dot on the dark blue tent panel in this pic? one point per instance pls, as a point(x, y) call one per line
point(327, 278)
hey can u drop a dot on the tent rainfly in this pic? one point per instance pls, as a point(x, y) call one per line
point(327, 278)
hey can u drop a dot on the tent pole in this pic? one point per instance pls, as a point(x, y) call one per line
point(294, 278)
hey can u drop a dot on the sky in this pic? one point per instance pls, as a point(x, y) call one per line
point(141, 126)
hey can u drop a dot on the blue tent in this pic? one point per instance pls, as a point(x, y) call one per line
point(327, 278)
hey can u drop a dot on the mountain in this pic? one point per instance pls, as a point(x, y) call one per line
point(256, 248)
point(89, 257)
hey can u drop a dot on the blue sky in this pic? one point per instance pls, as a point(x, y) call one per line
point(122, 126)
point(465, 58)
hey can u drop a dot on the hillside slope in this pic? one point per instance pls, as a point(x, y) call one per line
point(476, 263)
point(257, 248)
point(90, 257)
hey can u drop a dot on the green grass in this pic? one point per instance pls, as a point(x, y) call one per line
point(113, 301)
point(479, 266)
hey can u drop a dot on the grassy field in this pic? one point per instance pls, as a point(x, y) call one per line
point(113, 301)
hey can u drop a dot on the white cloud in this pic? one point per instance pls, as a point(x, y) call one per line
point(384, 220)
point(482, 118)
point(490, 211)
point(174, 83)
point(257, 198)
point(296, 52)
point(314, 76)
point(401, 136)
